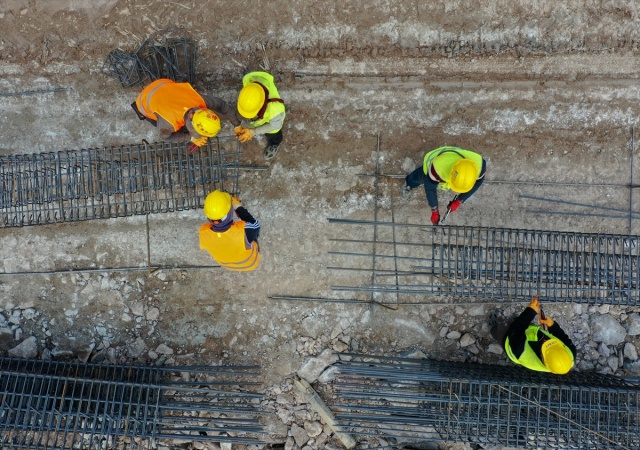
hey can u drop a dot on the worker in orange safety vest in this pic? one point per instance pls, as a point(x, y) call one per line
point(181, 114)
point(232, 243)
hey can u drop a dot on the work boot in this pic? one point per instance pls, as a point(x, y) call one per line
point(404, 191)
point(270, 151)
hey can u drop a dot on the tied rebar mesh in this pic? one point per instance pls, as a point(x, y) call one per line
point(101, 183)
point(45, 404)
point(409, 400)
point(495, 263)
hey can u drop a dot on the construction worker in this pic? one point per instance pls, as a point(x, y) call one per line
point(232, 243)
point(181, 114)
point(544, 348)
point(446, 168)
point(260, 102)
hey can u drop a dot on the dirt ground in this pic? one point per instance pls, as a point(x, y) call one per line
point(546, 92)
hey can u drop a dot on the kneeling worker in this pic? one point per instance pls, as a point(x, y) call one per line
point(233, 244)
point(181, 114)
point(446, 168)
point(533, 346)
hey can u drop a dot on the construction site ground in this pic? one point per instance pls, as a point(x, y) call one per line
point(546, 92)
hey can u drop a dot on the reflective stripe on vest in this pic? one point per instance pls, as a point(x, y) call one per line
point(273, 108)
point(529, 359)
point(443, 158)
point(169, 100)
point(229, 248)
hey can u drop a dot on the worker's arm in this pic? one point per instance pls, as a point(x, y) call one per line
point(560, 334)
point(252, 226)
point(223, 109)
point(273, 125)
point(167, 134)
point(479, 181)
point(516, 331)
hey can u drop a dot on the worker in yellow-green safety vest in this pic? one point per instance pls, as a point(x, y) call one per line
point(446, 168)
point(232, 243)
point(543, 348)
point(260, 102)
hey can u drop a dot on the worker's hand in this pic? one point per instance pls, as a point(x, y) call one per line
point(235, 202)
point(454, 204)
point(245, 134)
point(238, 130)
point(535, 305)
point(196, 143)
point(547, 322)
point(435, 216)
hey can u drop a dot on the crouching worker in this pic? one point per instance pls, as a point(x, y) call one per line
point(232, 243)
point(544, 348)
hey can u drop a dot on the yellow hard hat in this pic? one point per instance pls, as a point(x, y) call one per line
point(250, 100)
point(206, 122)
point(556, 357)
point(464, 174)
point(217, 205)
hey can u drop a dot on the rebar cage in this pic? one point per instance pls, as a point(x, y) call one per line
point(410, 400)
point(102, 183)
point(45, 404)
point(487, 263)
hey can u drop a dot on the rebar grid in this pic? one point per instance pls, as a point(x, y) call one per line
point(46, 404)
point(492, 263)
point(102, 183)
point(409, 400)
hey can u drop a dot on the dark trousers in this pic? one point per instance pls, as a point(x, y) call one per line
point(274, 138)
point(417, 178)
point(499, 333)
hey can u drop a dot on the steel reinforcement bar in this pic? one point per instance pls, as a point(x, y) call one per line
point(489, 263)
point(409, 401)
point(102, 183)
point(46, 404)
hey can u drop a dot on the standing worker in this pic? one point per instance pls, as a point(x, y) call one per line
point(233, 244)
point(446, 168)
point(260, 102)
point(181, 114)
point(544, 348)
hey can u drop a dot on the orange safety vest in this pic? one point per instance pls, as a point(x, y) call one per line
point(229, 248)
point(169, 100)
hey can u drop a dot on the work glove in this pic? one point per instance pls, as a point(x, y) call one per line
point(535, 305)
point(435, 216)
point(547, 322)
point(244, 134)
point(235, 202)
point(454, 204)
point(197, 143)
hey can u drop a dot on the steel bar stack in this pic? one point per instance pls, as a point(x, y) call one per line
point(413, 400)
point(487, 263)
point(161, 57)
point(46, 404)
point(102, 183)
